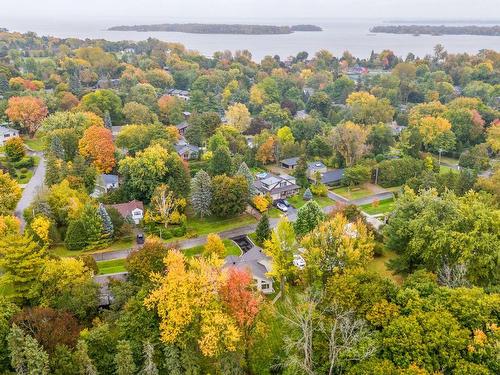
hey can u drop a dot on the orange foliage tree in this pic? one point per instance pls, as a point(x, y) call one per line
point(27, 111)
point(97, 145)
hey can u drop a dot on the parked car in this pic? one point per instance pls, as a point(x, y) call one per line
point(139, 239)
point(283, 201)
point(281, 207)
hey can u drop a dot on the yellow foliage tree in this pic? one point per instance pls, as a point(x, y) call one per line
point(214, 246)
point(41, 228)
point(10, 193)
point(187, 302)
point(261, 203)
point(493, 137)
point(9, 225)
point(238, 116)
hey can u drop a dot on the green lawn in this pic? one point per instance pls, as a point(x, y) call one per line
point(214, 225)
point(121, 244)
point(443, 169)
point(298, 201)
point(384, 206)
point(36, 144)
point(352, 193)
point(447, 160)
point(231, 249)
point(111, 266)
point(379, 265)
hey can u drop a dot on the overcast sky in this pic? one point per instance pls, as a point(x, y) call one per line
point(169, 10)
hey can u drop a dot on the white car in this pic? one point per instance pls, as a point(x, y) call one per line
point(282, 207)
point(298, 261)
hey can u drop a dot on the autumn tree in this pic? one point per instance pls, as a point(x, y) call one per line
point(171, 109)
point(493, 137)
point(28, 111)
point(21, 260)
point(436, 133)
point(214, 246)
point(183, 296)
point(167, 208)
point(10, 193)
point(367, 109)
point(146, 260)
point(349, 140)
point(266, 151)
point(238, 116)
point(97, 145)
point(336, 245)
point(281, 247)
point(137, 113)
point(14, 149)
point(101, 101)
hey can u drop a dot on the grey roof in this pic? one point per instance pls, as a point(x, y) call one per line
point(5, 129)
point(182, 125)
point(335, 175)
point(253, 260)
point(183, 147)
point(270, 180)
point(314, 165)
point(109, 179)
point(290, 161)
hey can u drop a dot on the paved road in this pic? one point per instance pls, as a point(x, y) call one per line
point(31, 189)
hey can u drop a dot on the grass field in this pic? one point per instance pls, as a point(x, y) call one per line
point(111, 266)
point(231, 249)
point(384, 206)
point(122, 244)
point(36, 144)
point(215, 225)
point(298, 201)
point(379, 265)
point(352, 193)
point(443, 169)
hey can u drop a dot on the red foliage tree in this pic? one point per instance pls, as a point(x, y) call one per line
point(27, 111)
point(97, 145)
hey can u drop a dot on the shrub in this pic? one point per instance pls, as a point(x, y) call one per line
point(320, 190)
point(26, 162)
point(14, 149)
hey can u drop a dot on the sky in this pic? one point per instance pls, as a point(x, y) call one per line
point(144, 11)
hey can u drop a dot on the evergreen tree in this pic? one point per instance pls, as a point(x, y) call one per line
point(308, 217)
point(4, 84)
point(307, 195)
point(75, 85)
point(107, 224)
point(244, 171)
point(107, 121)
point(27, 355)
point(149, 367)
point(263, 231)
point(201, 193)
point(76, 238)
point(56, 147)
point(124, 360)
point(221, 162)
point(83, 359)
point(300, 172)
point(172, 361)
point(92, 223)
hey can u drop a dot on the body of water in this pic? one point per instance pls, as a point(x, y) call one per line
point(337, 36)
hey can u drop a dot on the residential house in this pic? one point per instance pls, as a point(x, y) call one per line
point(187, 151)
point(182, 127)
point(395, 128)
point(133, 210)
point(108, 83)
point(277, 186)
point(105, 183)
point(301, 115)
point(181, 94)
point(257, 263)
point(332, 177)
point(6, 133)
point(314, 167)
point(290, 163)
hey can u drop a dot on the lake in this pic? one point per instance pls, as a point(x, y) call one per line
point(338, 35)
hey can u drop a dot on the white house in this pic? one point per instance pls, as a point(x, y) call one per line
point(258, 264)
point(133, 210)
point(6, 133)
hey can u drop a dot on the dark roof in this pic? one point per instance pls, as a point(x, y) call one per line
point(334, 175)
point(290, 161)
point(182, 125)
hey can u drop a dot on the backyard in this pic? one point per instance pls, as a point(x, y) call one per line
point(355, 192)
point(121, 244)
point(111, 266)
point(379, 266)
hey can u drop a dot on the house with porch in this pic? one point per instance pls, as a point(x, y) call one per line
point(7, 133)
point(187, 151)
point(132, 211)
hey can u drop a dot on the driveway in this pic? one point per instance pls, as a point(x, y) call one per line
point(31, 189)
